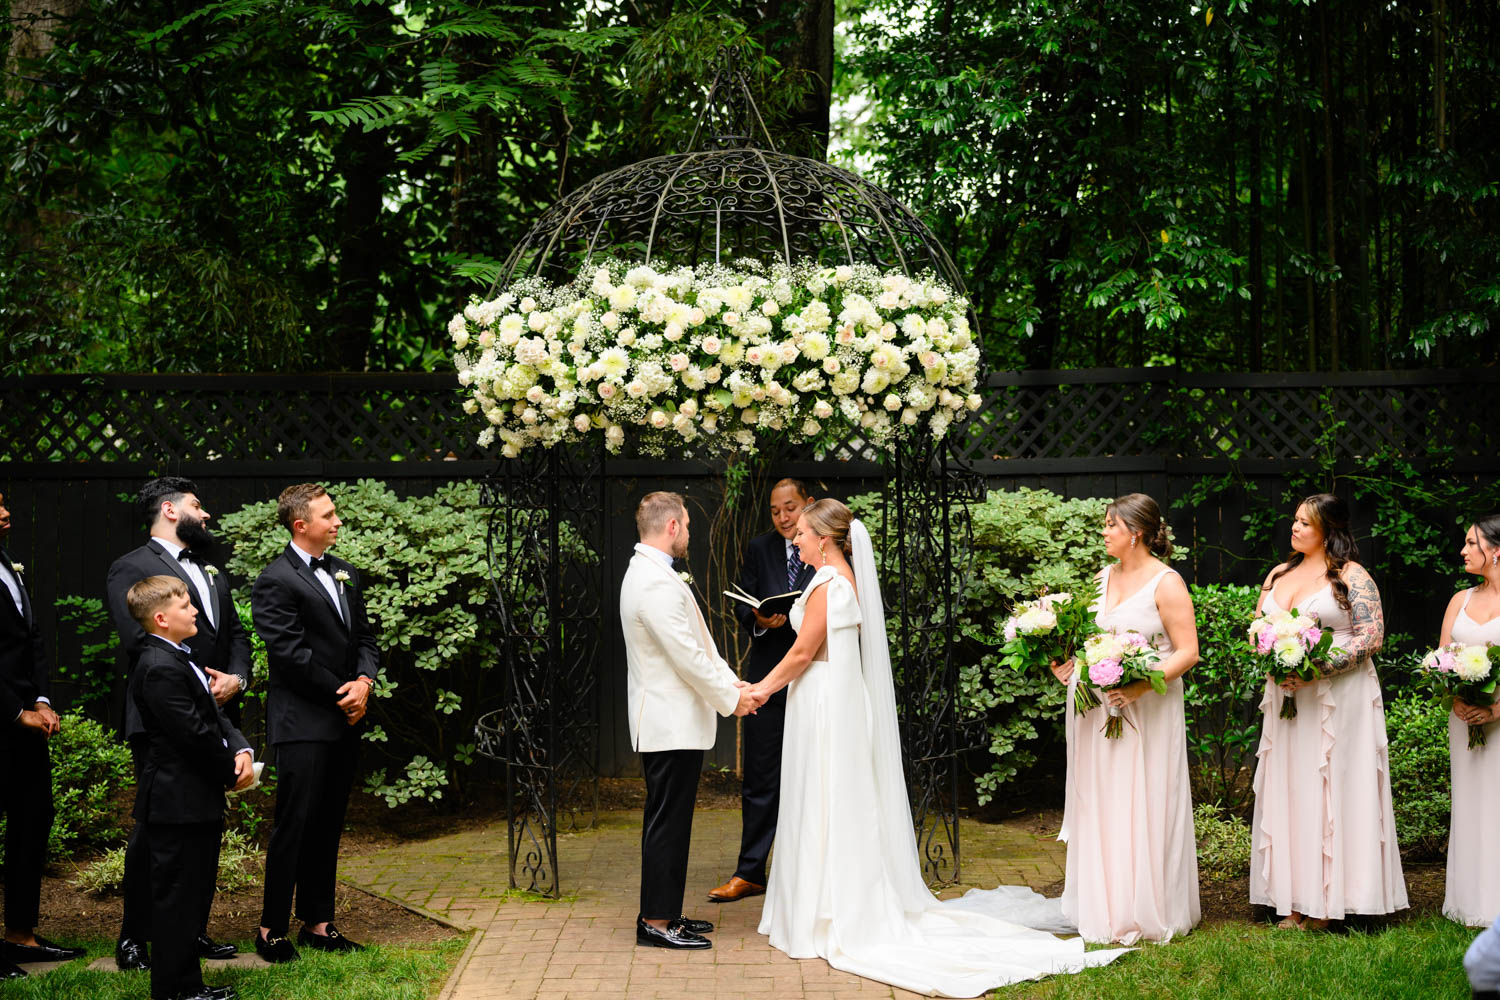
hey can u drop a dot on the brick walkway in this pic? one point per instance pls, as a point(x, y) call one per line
point(584, 945)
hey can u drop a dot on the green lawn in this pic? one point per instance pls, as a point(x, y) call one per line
point(1420, 960)
point(377, 973)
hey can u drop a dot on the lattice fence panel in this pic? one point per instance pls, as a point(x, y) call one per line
point(1066, 415)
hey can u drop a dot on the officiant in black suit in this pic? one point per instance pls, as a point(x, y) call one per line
point(771, 567)
point(180, 546)
point(309, 608)
point(26, 723)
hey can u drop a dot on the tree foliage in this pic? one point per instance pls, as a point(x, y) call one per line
point(1277, 184)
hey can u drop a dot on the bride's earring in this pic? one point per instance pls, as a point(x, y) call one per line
point(823, 553)
point(1132, 541)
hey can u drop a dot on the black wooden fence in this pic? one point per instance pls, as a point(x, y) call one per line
point(74, 446)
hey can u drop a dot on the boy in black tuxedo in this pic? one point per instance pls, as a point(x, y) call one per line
point(26, 723)
point(771, 567)
point(309, 608)
point(179, 546)
point(190, 754)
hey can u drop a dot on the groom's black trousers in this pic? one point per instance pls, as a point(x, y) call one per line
point(671, 790)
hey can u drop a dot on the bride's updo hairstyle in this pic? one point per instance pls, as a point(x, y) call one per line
point(1331, 516)
point(1141, 516)
point(830, 519)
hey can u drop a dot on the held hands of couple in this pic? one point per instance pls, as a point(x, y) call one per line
point(354, 697)
point(750, 699)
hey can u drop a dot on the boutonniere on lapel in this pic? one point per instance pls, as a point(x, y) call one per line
point(211, 570)
point(18, 568)
point(685, 577)
point(342, 576)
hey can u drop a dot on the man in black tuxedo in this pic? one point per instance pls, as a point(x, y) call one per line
point(771, 567)
point(309, 608)
point(190, 754)
point(26, 722)
point(179, 546)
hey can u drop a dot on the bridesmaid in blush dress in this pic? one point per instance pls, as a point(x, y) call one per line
point(1132, 871)
point(1323, 839)
point(1473, 617)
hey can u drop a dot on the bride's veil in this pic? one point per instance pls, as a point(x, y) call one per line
point(893, 807)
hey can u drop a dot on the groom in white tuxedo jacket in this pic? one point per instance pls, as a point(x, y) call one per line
point(678, 683)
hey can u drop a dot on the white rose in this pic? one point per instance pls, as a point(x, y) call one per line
point(528, 304)
point(892, 402)
point(822, 409)
point(688, 408)
point(711, 344)
point(909, 417)
point(581, 423)
point(610, 321)
point(607, 390)
point(769, 307)
point(658, 419)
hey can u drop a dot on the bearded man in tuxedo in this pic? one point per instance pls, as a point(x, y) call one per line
point(180, 545)
point(309, 608)
point(771, 567)
point(26, 723)
point(677, 683)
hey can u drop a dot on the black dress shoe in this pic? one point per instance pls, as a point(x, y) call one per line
point(42, 951)
point(8, 971)
point(332, 941)
point(209, 948)
point(673, 937)
point(689, 924)
point(275, 949)
point(208, 993)
point(130, 956)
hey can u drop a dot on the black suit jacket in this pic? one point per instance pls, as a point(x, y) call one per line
point(763, 574)
point(188, 745)
point(312, 653)
point(23, 660)
point(224, 646)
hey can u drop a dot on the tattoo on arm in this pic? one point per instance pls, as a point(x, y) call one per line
point(1366, 619)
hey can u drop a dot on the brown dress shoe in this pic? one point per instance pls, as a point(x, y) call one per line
point(735, 888)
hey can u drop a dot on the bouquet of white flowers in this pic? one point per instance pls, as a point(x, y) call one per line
point(1467, 672)
point(1047, 630)
point(1114, 659)
point(706, 358)
point(1292, 643)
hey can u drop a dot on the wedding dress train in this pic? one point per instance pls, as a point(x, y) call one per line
point(844, 883)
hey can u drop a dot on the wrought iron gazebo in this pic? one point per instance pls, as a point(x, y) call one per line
point(731, 196)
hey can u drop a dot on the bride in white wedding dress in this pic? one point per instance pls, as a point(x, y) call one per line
point(845, 883)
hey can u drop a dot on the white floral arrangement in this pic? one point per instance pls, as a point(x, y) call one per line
point(711, 357)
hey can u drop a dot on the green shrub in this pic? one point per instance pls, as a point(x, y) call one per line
point(1222, 696)
point(424, 568)
point(91, 776)
point(1223, 843)
point(1416, 726)
point(240, 865)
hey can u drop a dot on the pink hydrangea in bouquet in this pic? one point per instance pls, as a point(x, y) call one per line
point(1047, 630)
point(1469, 672)
point(1292, 643)
point(1113, 659)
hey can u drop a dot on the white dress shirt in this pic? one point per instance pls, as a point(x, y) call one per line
point(13, 584)
point(200, 580)
point(323, 577)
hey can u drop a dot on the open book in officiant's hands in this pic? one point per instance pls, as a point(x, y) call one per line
point(767, 606)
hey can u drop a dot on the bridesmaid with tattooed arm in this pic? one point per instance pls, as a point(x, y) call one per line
point(1324, 833)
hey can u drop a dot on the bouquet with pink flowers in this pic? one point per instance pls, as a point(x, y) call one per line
point(1113, 659)
point(1293, 643)
point(1468, 672)
point(1045, 630)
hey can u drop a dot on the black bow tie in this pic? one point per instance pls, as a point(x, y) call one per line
point(324, 563)
point(188, 555)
